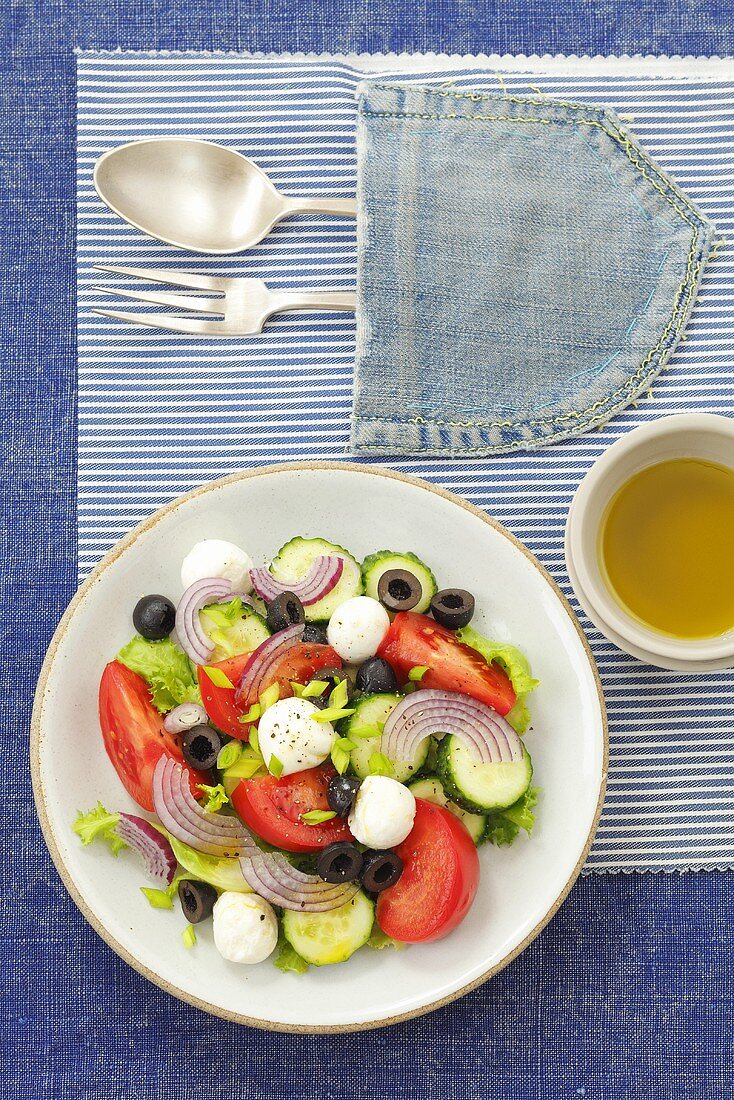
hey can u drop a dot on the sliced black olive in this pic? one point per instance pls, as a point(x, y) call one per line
point(340, 862)
point(154, 617)
point(453, 607)
point(399, 590)
point(376, 675)
point(380, 870)
point(314, 634)
point(197, 900)
point(285, 610)
point(341, 793)
point(201, 746)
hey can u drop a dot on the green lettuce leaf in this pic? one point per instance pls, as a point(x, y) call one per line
point(515, 664)
point(222, 872)
point(216, 797)
point(100, 824)
point(504, 827)
point(289, 959)
point(165, 668)
point(379, 939)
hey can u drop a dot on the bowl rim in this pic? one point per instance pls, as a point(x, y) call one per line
point(36, 743)
point(597, 596)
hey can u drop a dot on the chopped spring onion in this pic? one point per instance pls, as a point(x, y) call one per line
point(417, 673)
point(275, 767)
point(217, 677)
point(252, 715)
point(270, 696)
point(315, 687)
point(159, 899)
point(368, 730)
point(332, 714)
point(228, 755)
point(340, 695)
point(340, 751)
point(316, 817)
point(380, 765)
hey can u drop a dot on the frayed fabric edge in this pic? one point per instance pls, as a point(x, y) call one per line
point(690, 868)
point(625, 64)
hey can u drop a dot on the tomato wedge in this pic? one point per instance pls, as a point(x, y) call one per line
point(272, 808)
point(439, 880)
point(299, 664)
point(416, 640)
point(219, 702)
point(134, 734)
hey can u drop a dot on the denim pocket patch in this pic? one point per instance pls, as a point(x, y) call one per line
point(525, 270)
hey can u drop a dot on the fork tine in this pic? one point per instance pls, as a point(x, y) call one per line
point(172, 324)
point(169, 278)
point(163, 298)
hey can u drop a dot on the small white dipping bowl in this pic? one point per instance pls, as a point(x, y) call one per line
point(688, 435)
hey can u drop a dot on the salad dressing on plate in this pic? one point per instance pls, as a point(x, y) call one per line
point(666, 547)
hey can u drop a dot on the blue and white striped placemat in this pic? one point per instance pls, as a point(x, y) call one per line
point(160, 414)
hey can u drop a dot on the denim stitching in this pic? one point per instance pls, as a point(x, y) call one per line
point(614, 134)
point(691, 273)
point(477, 97)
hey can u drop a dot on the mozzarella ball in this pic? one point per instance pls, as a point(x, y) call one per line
point(245, 927)
point(357, 628)
point(383, 812)
point(287, 730)
point(216, 558)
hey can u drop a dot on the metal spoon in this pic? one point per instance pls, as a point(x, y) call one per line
point(198, 195)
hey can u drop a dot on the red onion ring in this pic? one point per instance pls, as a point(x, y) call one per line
point(184, 717)
point(151, 846)
point(181, 815)
point(214, 826)
point(291, 889)
point(280, 882)
point(269, 874)
point(430, 712)
point(282, 871)
point(321, 578)
point(191, 635)
point(262, 660)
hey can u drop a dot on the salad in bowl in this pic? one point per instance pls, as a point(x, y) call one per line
point(318, 748)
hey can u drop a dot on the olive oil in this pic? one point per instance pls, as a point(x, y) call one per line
point(666, 547)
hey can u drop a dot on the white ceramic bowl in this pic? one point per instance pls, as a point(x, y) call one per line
point(688, 435)
point(364, 509)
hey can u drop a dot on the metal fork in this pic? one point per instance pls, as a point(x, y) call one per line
point(245, 304)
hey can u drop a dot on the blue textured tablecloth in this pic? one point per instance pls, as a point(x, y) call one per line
point(161, 412)
point(628, 993)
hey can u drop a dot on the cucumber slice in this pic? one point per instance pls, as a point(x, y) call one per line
point(325, 938)
point(376, 564)
point(369, 711)
point(232, 636)
point(293, 561)
point(480, 788)
point(431, 789)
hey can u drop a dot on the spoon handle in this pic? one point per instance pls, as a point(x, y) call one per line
point(308, 205)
